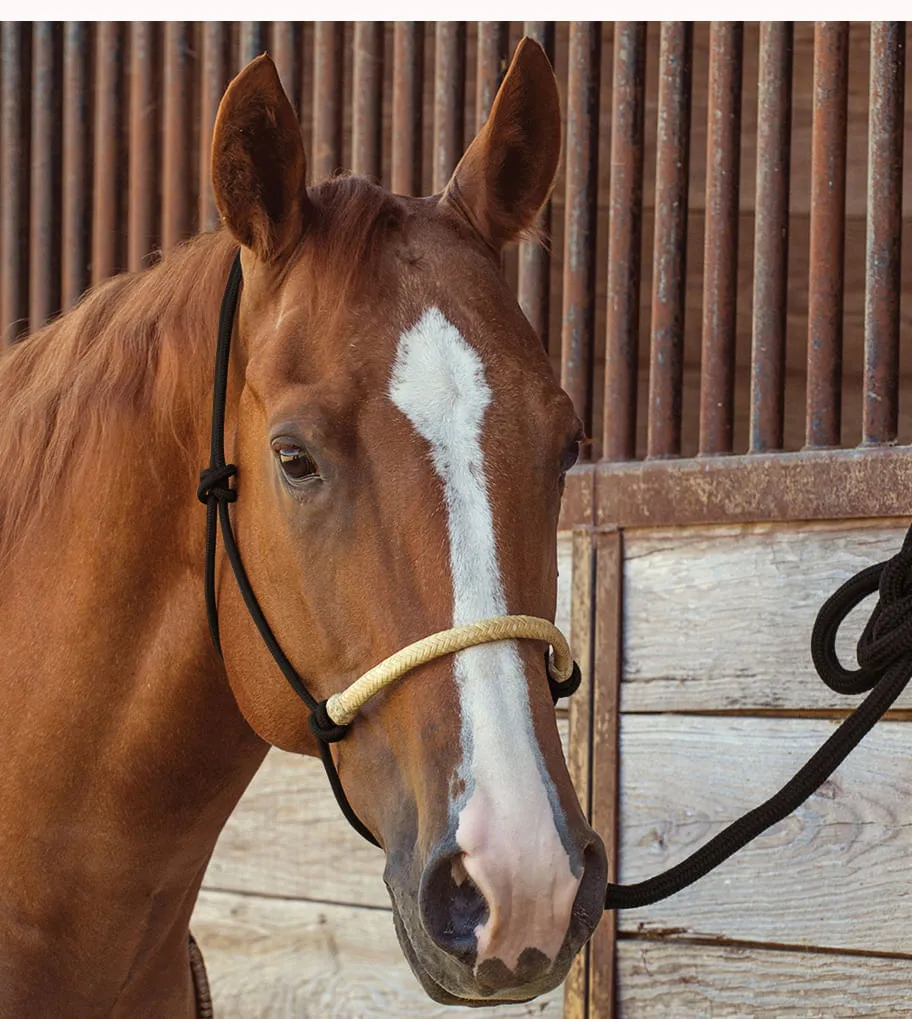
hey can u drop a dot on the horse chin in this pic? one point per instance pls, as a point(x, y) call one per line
point(451, 974)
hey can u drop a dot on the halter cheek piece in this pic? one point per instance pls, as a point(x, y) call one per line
point(884, 654)
point(329, 719)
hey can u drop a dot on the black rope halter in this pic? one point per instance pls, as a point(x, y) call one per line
point(884, 655)
point(215, 492)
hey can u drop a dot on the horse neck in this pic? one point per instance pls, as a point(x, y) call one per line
point(124, 750)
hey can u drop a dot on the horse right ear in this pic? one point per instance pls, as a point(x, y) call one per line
point(258, 163)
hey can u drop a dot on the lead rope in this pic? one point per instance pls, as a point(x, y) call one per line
point(329, 719)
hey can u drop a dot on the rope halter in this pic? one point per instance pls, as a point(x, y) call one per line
point(342, 707)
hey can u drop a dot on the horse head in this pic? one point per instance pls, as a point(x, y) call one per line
point(401, 445)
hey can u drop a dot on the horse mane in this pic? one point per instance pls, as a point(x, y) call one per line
point(139, 342)
point(74, 387)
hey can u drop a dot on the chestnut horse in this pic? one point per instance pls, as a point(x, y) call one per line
point(400, 443)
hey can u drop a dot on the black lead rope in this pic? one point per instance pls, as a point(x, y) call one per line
point(884, 655)
point(215, 492)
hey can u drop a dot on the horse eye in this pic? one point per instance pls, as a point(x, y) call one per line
point(571, 455)
point(297, 463)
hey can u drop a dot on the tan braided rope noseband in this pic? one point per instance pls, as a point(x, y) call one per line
point(342, 707)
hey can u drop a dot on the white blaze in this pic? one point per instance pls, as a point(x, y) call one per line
point(506, 827)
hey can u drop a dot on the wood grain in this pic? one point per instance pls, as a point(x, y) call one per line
point(609, 547)
point(835, 874)
point(579, 751)
point(720, 618)
point(658, 980)
point(285, 959)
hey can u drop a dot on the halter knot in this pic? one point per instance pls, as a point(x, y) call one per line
point(323, 727)
point(568, 686)
point(213, 484)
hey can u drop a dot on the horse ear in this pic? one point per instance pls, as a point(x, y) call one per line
point(258, 163)
point(508, 171)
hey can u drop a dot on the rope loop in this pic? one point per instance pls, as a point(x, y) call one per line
point(213, 484)
point(887, 635)
point(568, 686)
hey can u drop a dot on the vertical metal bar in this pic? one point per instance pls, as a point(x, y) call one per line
point(884, 232)
point(213, 79)
point(534, 258)
point(44, 234)
point(306, 87)
point(176, 216)
point(491, 65)
point(669, 257)
point(720, 258)
point(328, 41)
point(625, 238)
point(143, 149)
point(449, 99)
point(581, 192)
point(771, 226)
point(285, 49)
point(76, 204)
point(408, 81)
point(823, 423)
point(252, 41)
point(367, 98)
point(106, 174)
point(14, 172)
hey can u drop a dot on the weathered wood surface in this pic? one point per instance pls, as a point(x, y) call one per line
point(720, 619)
point(658, 981)
point(564, 583)
point(579, 750)
point(835, 874)
point(287, 959)
point(288, 838)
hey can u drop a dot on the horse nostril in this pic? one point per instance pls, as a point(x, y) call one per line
point(452, 907)
point(588, 908)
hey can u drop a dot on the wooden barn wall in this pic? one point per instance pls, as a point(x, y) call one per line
point(719, 705)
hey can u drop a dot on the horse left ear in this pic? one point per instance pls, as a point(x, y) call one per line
point(258, 163)
point(508, 171)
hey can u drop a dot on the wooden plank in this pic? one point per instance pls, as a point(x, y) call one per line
point(287, 837)
point(720, 618)
point(579, 754)
point(658, 980)
point(609, 551)
point(274, 959)
point(835, 874)
point(816, 484)
point(565, 591)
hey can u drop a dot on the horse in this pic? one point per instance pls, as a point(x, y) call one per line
point(400, 444)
